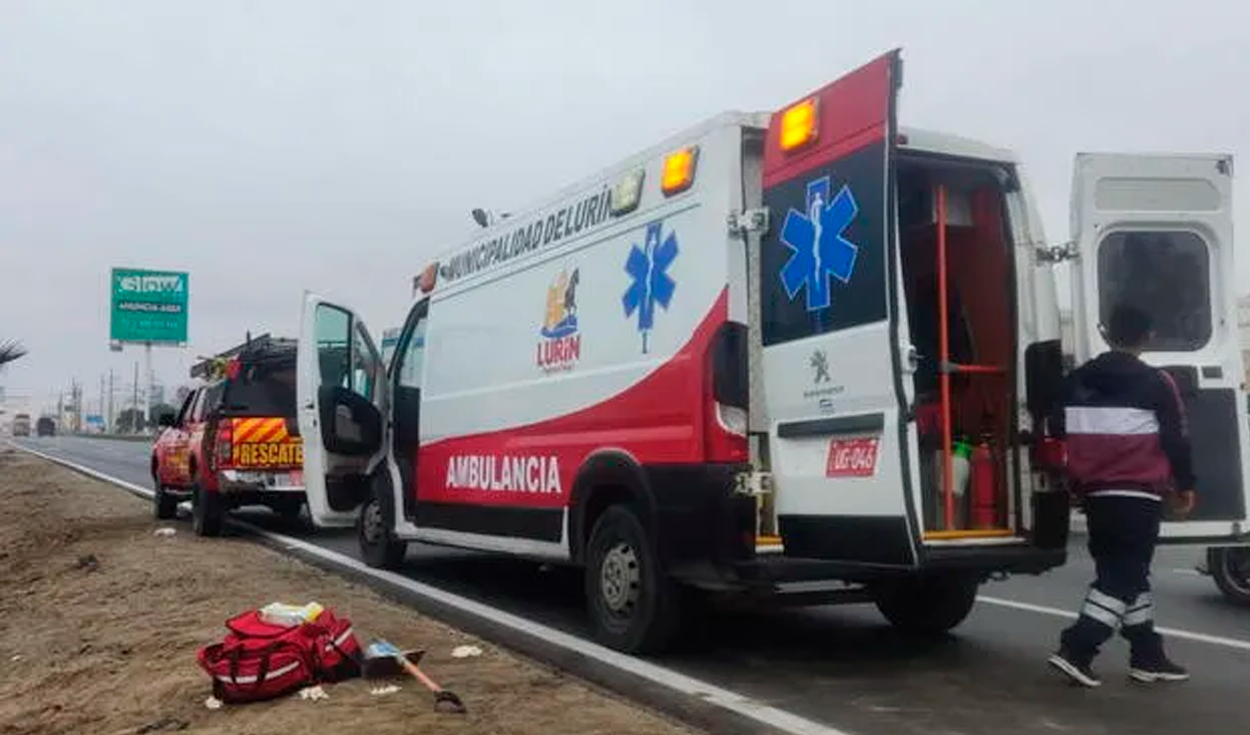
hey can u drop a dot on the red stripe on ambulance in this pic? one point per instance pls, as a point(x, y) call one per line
point(657, 420)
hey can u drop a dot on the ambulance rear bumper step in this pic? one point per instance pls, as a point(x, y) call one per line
point(778, 570)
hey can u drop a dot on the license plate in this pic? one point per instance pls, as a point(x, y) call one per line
point(286, 480)
point(852, 457)
point(274, 480)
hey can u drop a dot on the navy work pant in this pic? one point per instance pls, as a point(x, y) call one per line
point(1123, 532)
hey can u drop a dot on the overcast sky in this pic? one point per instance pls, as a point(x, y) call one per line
point(270, 147)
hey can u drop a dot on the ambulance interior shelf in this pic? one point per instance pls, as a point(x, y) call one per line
point(957, 270)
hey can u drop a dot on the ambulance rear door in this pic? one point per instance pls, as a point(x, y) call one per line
point(830, 325)
point(341, 394)
point(1156, 231)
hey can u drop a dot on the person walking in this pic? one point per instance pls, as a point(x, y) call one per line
point(1128, 453)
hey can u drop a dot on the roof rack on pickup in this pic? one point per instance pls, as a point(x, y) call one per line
point(254, 349)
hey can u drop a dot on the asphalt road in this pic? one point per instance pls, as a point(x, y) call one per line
point(844, 667)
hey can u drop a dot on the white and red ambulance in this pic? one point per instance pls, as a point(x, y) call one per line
point(802, 351)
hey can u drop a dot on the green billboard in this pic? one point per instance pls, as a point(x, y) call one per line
point(148, 306)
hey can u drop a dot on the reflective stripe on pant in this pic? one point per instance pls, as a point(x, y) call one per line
point(1139, 628)
point(1122, 536)
point(1103, 608)
point(1140, 612)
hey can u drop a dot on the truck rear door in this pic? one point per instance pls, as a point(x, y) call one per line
point(259, 417)
point(830, 324)
point(1156, 232)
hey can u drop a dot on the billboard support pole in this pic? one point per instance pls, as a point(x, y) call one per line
point(134, 423)
point(147, 379)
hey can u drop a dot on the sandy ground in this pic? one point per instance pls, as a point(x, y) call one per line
point(101, 620)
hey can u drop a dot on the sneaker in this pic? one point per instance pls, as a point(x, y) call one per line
point(1161, 669)
point(1076, 668)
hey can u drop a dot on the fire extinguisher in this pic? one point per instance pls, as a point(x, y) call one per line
point(984, 498)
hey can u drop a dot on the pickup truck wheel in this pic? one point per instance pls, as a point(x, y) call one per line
point(289, 509)
point(164, 507)
point(927, 604)
point(207, 511)
point(634, 606)
point(1230, 568)
point(378, 545)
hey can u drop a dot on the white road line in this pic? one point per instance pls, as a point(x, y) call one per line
point(778, 719)
point(128, 486)
point(1187, 572)
point(1188, 635)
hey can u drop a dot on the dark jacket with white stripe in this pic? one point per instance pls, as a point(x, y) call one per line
point(1125, 427)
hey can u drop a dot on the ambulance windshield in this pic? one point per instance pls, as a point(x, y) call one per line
point(1167, 273)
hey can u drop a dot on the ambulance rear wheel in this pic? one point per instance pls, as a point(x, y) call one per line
point(207, 512)
point(927, 604)
point(378, 545)
point(634, 606)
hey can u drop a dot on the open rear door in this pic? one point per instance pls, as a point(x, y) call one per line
point(341, 384)
point(830, 324)
point(1156, 231)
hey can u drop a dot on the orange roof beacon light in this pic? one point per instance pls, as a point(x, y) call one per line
point(799, 125)
point(679, 168)
point(425, 282)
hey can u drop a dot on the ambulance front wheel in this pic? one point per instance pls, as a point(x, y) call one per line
point(927, 604)
point(378, 545)
point(634, 606)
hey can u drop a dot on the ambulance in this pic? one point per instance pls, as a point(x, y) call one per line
point(803, 355)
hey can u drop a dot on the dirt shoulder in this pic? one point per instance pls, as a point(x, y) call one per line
point(102, 619)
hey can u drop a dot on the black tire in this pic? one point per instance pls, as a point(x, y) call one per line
point(634, 605)
point(290, 509)
point(376, 534)
point(929, 604)
point(1230, 568)
point(207, 512)
point(164, 507)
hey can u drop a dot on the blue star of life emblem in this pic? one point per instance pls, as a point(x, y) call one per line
point(648, 268)
point(818, 247)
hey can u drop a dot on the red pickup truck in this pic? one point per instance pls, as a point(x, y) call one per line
point(234, 442)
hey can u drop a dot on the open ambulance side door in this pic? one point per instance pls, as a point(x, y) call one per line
point(830, 325)
point(1156, 231)
point(341, 395)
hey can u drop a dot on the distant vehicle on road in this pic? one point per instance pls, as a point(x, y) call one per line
point(234, 441)
point(45, 426)
point(21, 424)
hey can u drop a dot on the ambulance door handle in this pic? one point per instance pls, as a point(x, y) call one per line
point(911, 360)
